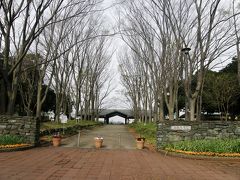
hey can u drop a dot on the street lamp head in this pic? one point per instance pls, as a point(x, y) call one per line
point(235, 58)
point(186, 50)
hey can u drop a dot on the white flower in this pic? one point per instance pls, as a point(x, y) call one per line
point(98, 138)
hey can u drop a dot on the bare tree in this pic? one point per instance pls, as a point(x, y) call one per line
point(34, 17)
point(157, 31)
point(28, 83)
point(235, 12)
point(142, 36)
point(49, 42)
point(208, 40)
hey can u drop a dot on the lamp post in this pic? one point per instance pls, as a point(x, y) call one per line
point(185, 51)
point(236, 58)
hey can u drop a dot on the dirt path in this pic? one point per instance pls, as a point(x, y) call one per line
point(115, 137)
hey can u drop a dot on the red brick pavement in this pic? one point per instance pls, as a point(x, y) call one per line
point(72, 163)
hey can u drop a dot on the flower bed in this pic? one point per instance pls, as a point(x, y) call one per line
point(207, 147)
point(204, 153)
point(13, 143)
point(15, 147)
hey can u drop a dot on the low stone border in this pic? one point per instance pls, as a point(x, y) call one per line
point(21, 148)
point(197, 157)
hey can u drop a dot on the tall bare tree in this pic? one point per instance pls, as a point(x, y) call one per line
point(235, 13)
point(20, 24)
point(158, 32)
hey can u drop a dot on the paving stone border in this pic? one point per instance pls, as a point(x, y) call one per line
point(174, 131)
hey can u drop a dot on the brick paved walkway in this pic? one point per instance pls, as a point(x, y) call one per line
point(115, 137)
point(72, 163)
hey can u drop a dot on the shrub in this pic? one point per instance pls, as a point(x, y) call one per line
point(213, 145)
point(147, 130)
point(70, 123)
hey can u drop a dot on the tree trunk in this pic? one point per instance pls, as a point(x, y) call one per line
point(177, 111)
point(12, 90)
point(39, 109)
point(171, 113)
point(39, 102)
point(192, 109)
point(57, 113)
point(3, 97)
point(11, 104)
point(77, 108)
point(239, 68)
point(187, 118)
point(161, 112)
point(12, 94)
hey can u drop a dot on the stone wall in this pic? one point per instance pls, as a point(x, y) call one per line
point(173, 131)
point(24, 126)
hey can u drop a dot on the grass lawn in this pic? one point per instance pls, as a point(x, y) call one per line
point(70, 123)
point(148, 131)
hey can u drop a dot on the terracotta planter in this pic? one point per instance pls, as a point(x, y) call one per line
point(140, 143)
point(56, 141)
point(98, 142)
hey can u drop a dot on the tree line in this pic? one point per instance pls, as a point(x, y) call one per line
point(53, 46)
point(170, 47)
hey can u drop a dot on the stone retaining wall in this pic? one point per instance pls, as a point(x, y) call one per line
point(173, 131)
point(24, 126)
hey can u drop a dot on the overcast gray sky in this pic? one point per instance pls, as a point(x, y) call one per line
point(115, 99)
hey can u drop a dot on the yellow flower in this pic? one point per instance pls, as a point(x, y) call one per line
point(13, 146)
point(204, 153)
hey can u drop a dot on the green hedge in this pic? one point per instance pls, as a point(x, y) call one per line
point(148, 131)
point(11, 139)
point(70, 123)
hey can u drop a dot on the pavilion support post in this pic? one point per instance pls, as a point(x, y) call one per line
point(106, 120)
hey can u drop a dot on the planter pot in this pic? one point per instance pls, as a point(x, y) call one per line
point(98, 142)
point(56, 141)
point(140, 143)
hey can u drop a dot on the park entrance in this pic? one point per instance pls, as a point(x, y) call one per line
point(107, 114)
